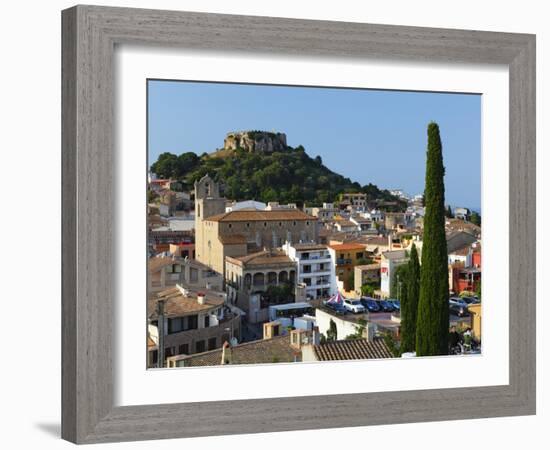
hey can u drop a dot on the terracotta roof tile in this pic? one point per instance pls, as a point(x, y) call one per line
point(179, 305)
point(375, 266)
point(258, 215)
point(309, 246)
point(457, 240)
point(157, 263)
point(395, 254)
point(265, 257)
point(348, 246)
point(263, 351)
point(346, 223)
point(376, 240)
point(352, 349)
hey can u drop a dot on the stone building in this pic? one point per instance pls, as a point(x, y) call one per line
point(193, 322)
point(168, 271)
point(219, 234)
point(249, 276)
point(357, 200)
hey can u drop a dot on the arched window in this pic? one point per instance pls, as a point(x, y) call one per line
point(271, 278)
point(258, 279)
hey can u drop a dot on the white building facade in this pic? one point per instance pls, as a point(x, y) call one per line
point(315, 269)
point(390, 262)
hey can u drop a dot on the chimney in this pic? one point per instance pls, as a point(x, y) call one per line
point(227, 354)
point(200, 298)
point(371, 328)
point(296, 339)
point(316, 336)
point(271, 329)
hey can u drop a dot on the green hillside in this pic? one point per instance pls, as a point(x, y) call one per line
point(289, 176)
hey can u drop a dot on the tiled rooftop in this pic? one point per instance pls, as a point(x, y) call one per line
point(258, 215)
point(348, 246)
point(262, 258)
point(352, 349)
point(374, 266)
point(273, 350)
point(309, 246)
point(179, 305)
point(395, 254)
point(157, 263)
point(459, 239)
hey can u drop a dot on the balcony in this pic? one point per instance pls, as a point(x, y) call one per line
point(316, 286)
point(315, 274)
point(343, 261)
point(314, 258)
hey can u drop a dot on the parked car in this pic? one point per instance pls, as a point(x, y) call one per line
point(458, 301)
point(354, 305)
point(470, 300)
point(338, 308)
point(396, 304)
point(458, 309)
point(370, 304)
point(386, 306)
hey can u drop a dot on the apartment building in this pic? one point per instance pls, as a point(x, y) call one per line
point(314, 268)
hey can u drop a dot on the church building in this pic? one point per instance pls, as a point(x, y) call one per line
point(237, 233)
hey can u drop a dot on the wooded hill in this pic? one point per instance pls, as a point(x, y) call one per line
point(288, 176)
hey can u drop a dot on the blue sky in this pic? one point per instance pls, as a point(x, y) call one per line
point(367, 135)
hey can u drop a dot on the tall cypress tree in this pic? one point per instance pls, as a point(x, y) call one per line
point(432, 330)
point(409, 303)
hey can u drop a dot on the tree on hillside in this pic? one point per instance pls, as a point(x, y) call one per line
point(409, 303)
point(169, 165)
point(289, 175)
point(475, 218)
point(432, 328)
point(449, 212)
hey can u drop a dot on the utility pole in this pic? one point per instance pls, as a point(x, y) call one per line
point(160, 326)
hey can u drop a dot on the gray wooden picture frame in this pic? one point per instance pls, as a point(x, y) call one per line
point(90, 34)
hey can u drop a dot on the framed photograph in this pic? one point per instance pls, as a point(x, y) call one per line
point(278, 224)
